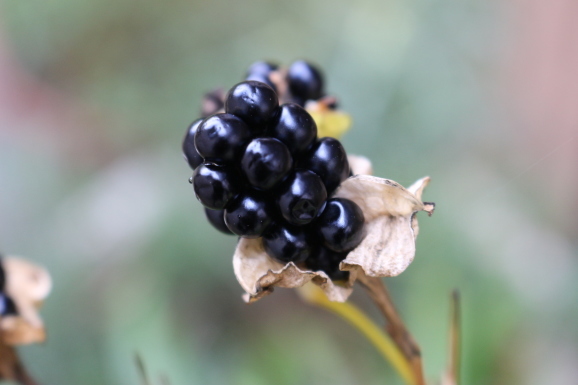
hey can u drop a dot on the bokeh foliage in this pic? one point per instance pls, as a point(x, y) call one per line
point(93, 186)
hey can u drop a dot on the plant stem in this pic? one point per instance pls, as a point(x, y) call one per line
point(377, 290)
point(454, 364)
point(367, 327)
point(11, 368)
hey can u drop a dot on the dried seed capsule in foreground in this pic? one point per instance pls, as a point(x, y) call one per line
point(252, 101)
point(327, 158)
point(215, 185)
point(341, 225)
point(191, 154)
point(302, 197)
point(217, 219)
point(222, 138)
point(265, 162)
point(249, 215)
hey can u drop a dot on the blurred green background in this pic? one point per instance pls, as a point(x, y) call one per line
point(95, 97)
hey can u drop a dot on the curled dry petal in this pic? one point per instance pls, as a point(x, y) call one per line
point(258, 274)
point(27, 285)
point(387, 249)
point(389, 246)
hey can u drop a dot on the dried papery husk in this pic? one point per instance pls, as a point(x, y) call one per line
point(258, 274)
point(390, 224)
point(387, 249)
point(27, 285)
point(15, 330)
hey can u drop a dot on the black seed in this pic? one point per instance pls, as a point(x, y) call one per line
point(259, 71)
point(215, 185)
point(249, 215)
point(222, 138)
point(294, 127)
point(327, 260)
point(305, 80)
point(262, 79)
point(189, 150)
point(287, 243)
point(266, 161)
point(341, 225)
point(261, 68)
point(253, 101)
point(327, 158)
point(217, 219)
point(7, 306)
point(302, 197)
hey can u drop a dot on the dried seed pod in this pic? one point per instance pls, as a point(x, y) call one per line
point(27, 285)
point(387, 249)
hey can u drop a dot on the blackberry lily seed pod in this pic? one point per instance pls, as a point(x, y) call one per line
point(387, 249)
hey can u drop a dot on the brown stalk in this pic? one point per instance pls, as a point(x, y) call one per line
point(11, 368)
point(378, 292)
point(452, 376)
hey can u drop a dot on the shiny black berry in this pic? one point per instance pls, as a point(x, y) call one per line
point(7, 306)
point(249, 215)
point(294, 127)
point(341, 226)
point(301, 198)
point(215, 185)
point(287, 243)
point(222, 138)
point(328, 261)
point(305, 80)
point(259, 71)
point(261, 68)
point(217, 219)
point(262, 79)
point(189, 150)
point(266, 161)
point(253, 101)
point(327, 158)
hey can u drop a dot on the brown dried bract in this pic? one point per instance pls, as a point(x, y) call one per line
point(389, 245)
point(258, 274)
point(387, 249)
point(27, 285)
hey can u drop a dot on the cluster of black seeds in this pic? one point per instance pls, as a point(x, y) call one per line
point(303, 80)
point(7, 306)
point(261, 171)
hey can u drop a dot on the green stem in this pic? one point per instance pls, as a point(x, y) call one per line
point(382, 342)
